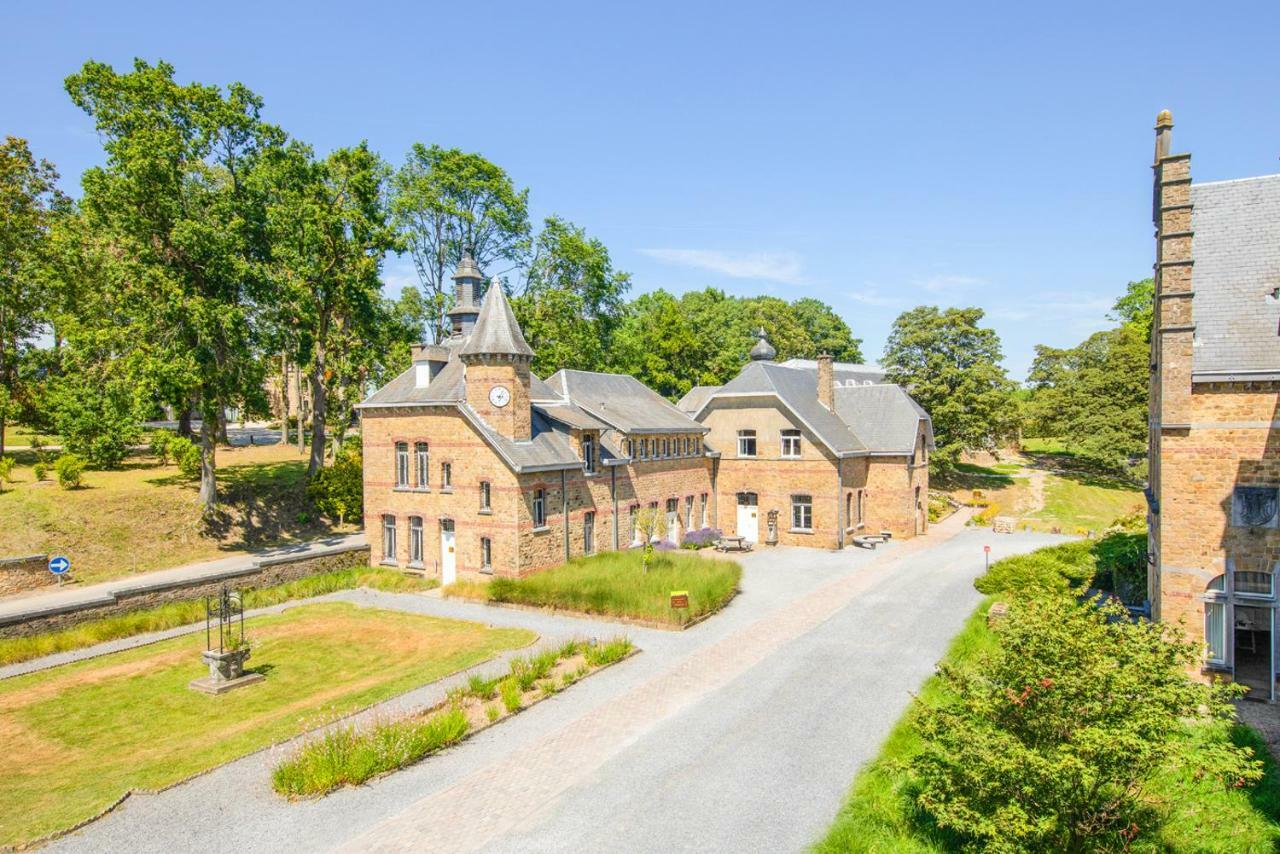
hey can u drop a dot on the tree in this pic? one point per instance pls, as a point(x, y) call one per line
point(951, 366)
point(445, 202)
point(1048, 741)
point(177, 200)
point(572, 299)
point(658, 345)
point(1137, 306)
point(329, 231)
point(30, 202)
point(651, 523)
point(828, 332)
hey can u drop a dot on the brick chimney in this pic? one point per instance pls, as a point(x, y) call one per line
point(826, 381)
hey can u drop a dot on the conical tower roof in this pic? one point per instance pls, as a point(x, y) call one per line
point(763, 351)
point(496, 332)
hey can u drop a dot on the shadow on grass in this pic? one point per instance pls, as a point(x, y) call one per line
point(970, 476)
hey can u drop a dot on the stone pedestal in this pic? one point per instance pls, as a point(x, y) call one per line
point(226, 672)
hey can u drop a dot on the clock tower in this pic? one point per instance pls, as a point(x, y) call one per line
point(497, 360)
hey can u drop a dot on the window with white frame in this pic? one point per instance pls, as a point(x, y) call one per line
point(1215, 632)
point(486, 553)
point(415, 541)
point(485, 495)
point(589, 452)
point(688, 511)
point(791, 443)
point(539, 508)
point(402, 463)
point(746, 443)
point(801, 513)
point(635, 524)
point(421, 465)
point(446, 475)
point(589, 533)
point(389, 538)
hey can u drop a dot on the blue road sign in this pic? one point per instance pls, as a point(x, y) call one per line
point(58, 565)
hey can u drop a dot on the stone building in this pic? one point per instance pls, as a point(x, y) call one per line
point(473, 466)
point(813, 453)
point(1214, 484)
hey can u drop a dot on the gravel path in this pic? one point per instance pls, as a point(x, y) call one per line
point(742, 733)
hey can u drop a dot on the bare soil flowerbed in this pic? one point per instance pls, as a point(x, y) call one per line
point(354, 754)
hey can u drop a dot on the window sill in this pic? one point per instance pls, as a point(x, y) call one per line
point(800, 530)
point(486, 570)
point(446, 490)
point(416, 564)
point(541, 529)
point(388, 563)
point(485, 511)
point(411, 489)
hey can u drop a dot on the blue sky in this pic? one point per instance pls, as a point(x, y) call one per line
point(875, 158)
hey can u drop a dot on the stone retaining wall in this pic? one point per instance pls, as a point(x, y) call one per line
point(20, 574)
point(263, 573)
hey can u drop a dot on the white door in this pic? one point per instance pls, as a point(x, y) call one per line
point(448, 554)
point(748, 517)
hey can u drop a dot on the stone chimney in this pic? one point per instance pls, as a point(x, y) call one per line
point(826, 381)
point(1174, 328)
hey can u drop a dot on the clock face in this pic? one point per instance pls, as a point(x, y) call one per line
point(499, 395)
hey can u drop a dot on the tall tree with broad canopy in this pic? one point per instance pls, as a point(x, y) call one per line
point(445, 202)
point(572, 299)
point(951, 366)
point(828, 332)
point(329, 230)
point(177, 199)
point(30, 202)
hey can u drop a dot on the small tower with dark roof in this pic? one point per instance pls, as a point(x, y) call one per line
point(468, 288)
point(497, 360)
point(763, 351)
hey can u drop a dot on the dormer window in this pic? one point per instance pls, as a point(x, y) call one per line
point(589, 452)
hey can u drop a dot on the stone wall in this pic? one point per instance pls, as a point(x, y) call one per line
point(125, 598)
point(20, 574)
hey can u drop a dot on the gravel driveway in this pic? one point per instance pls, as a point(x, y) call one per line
point(741, 734)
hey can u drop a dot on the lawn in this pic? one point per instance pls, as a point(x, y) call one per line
point(1045, 446)
point(144, 516)
point(613, 584)
point(1086, 504)
point(79, 736)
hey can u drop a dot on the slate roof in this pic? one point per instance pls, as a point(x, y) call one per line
point(868, 419)
point(845, 372)
point(622, 402)
point(1236, 247)
point(884, 417)
point(695, 397)
point(496, 330)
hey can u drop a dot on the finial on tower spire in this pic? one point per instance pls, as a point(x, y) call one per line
point(763, 351)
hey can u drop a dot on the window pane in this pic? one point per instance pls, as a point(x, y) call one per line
point(1253, 583)
point(1215, 631)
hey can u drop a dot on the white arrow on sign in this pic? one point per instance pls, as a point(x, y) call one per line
point(59, 565)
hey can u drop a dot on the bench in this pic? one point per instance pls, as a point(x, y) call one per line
point(737, 544)
point(869, 541)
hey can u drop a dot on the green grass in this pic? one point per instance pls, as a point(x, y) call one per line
point(144, 516)
point(880, 814)
point(1045, 446)
point(613, 584)
point(1086, 505)
point(79, 736)
point(174, 614)
point(351, 755)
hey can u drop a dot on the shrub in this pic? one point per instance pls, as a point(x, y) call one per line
point(6, 470)
point(700, 538)
point(186, 454)
point(1050, 740)
point(510, 692)
point(338, 489)
point(1052, 569)
point(70, 469)
point(987, 515)
point(160, 440)
point(41, 470)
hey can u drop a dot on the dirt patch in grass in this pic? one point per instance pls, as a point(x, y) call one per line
point(77, 737)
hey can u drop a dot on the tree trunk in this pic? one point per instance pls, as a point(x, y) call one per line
point(208, 476)
point(222, 427)
point(2, 417)
point(318, 403)
point(284, 400)
point(302, 404)
point(184, 422)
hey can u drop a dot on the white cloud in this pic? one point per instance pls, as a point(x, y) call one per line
point(872, 296)
point(773, 266)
